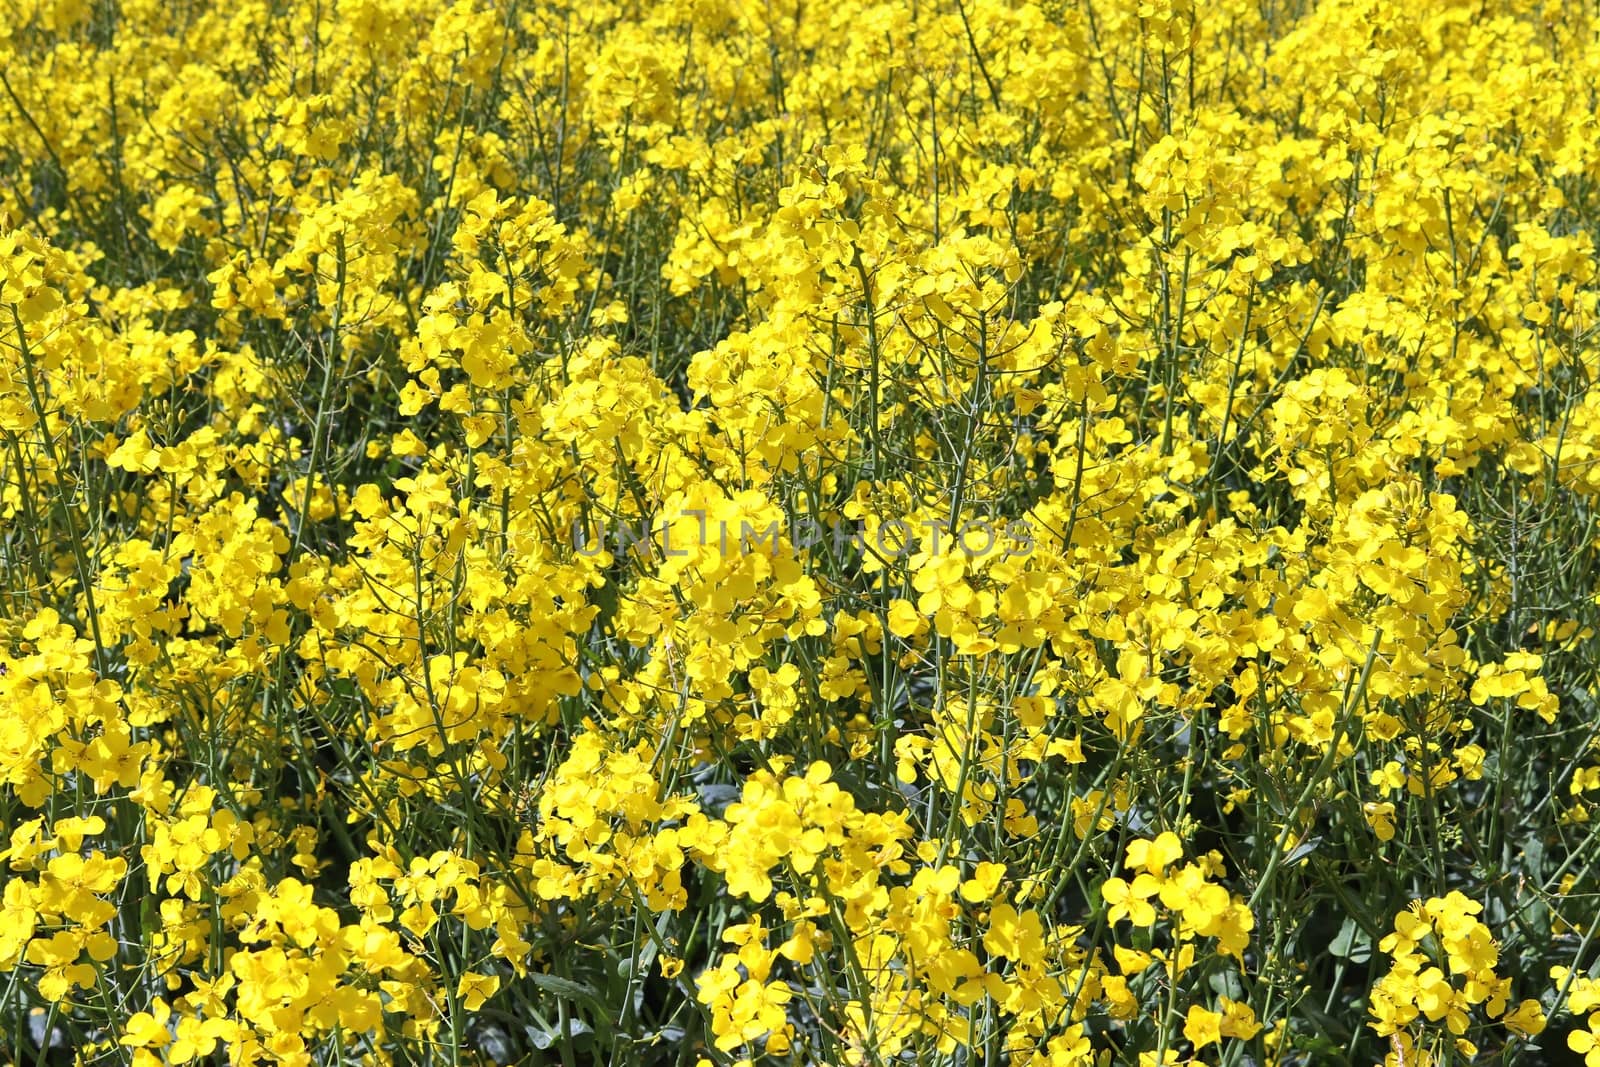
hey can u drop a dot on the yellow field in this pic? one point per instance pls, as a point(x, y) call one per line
point(678, 532)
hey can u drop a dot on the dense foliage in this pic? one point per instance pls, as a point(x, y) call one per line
point(859, 533)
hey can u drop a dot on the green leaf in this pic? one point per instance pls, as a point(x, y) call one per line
point(1351, 943)
point(585, 995)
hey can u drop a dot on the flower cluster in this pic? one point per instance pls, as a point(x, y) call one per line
point(1443, 969)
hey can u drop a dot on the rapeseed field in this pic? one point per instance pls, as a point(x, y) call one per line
point(851, 533)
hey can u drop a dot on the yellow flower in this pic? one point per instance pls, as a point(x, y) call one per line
point(1587, 1042)
point(1131, 902)
point(148, 1029)
point(1202, 1027)
point(1154, 856)
point(474, 989)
